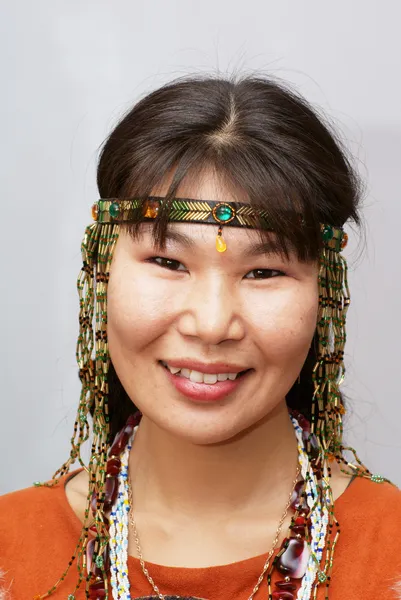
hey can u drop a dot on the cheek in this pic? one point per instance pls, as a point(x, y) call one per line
point(285, 326)
point(137, 308)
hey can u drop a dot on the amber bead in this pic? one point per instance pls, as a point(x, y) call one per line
point(298, 529)
point(150, 209)
point(119, 443)
point(111, 490)
point(286, 585)
point(134, 419)
point(221, 245)
point(282, 595)
point(296, 497)
point(97, 590)
point(344, 240)
point(93, 530)
point(94, 502)
point(113, 466)
point(95, 211)
point(294, 560)
point(90, 547)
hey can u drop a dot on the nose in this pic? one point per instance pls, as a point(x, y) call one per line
point(211, 312)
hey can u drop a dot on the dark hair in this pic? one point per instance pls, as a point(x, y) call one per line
point(260, 138)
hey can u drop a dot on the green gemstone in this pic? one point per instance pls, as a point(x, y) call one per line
point(37, 483)
point(328, 233)
point(224, 213)
point(99, 561)
point(321, 576)
point(114, 210)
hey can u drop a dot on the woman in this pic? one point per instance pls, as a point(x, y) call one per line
point(214, 275)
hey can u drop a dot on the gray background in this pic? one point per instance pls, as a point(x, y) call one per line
point(69, 70)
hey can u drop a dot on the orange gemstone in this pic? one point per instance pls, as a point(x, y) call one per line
point(221, 245)
point(95, 211)
point(150, 209)
point(344, 241)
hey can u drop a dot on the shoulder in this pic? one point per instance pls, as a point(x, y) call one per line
point(38, 534)
point(369, 514)
point(33, 512)
point(366, 497)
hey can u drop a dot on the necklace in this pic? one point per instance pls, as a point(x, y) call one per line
point(265, 566)
point(299, 557)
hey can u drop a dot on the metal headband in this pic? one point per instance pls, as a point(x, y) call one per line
point(233, 214)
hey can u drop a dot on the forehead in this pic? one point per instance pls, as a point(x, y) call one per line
point(242, 242)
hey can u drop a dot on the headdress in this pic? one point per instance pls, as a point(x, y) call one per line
point(322, 437)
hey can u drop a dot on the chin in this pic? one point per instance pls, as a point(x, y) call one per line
point(208, 425)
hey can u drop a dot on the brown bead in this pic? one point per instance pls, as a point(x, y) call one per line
point(296, 493)
point(111, 490)
point(97, 590)
point(294, 560)
point(299, 529)
point(90, 547)
point(119, 443)
point(94, 502)
point(286, 585)
point(282, 595)
point(113, 466)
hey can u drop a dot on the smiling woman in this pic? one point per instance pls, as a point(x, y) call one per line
point(213, 301)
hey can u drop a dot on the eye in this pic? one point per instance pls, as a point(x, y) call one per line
point(166, 263)
point(264, 274)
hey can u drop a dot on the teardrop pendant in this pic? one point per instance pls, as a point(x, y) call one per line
point(221, 245)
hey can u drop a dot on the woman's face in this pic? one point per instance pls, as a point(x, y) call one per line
point(211, 313)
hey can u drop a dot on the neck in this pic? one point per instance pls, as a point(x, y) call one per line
point(254, 470)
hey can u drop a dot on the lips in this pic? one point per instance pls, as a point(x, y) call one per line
point(205, 392)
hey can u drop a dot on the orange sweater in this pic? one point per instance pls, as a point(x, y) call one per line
point(39, 532)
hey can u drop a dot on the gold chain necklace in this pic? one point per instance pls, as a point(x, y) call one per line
point(265, 566)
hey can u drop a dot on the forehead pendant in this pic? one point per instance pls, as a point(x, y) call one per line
point(222, 213)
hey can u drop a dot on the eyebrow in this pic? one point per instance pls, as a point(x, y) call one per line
point(268, 246)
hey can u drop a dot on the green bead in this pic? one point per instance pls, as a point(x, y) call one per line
point(114, 210)
point(82, 416)
point(224, 213)
point(70, 597)
point(99, 562)
point(377, 478)
point(37, 483)
point(321, 576)
point(328, 233)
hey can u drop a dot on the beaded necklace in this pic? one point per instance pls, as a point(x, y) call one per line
point(298, 558)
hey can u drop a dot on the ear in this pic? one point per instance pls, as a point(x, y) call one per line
point(4, 593)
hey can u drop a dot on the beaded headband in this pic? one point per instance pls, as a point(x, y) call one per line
point(234, 214)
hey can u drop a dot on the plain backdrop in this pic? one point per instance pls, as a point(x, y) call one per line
point(69, 70)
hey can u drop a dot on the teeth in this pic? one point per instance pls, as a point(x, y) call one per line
point(209, 378)
point(198, 377)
